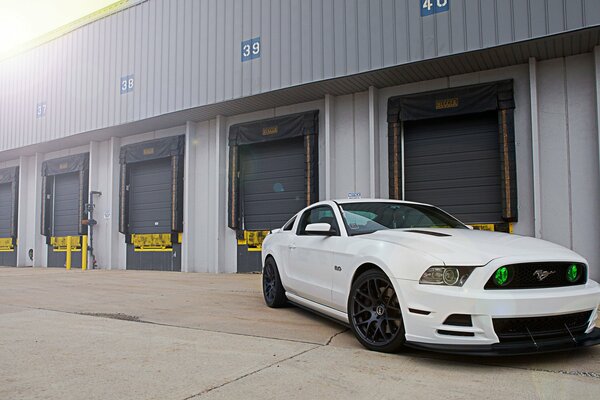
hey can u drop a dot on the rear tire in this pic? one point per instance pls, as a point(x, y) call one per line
point(273, 291)
point(374, 313)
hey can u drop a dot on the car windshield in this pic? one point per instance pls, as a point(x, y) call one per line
point(369, 217)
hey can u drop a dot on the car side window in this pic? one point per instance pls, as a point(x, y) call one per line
point(321, 214)
point(289, 225)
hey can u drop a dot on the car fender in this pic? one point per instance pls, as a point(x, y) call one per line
point(273, 246)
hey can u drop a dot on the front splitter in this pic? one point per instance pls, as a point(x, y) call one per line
point(514, 348)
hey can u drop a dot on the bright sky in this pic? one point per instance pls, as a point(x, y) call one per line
point(25, 20)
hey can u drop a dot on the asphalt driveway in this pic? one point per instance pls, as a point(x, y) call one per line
point(157, 335)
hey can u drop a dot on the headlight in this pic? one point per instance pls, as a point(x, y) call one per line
point(446, 276)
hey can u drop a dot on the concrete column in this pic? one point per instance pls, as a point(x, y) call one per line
point(373, 142)
point(228, 261)
point(597, 69)
point(329, 153)
point(115, 241)
point(220, 195)
point(535, 146)
point(26, 213)
point(40, 249)
point(94, 185)
point(189, 207)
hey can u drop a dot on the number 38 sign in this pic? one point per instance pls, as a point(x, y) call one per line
point(429, 7)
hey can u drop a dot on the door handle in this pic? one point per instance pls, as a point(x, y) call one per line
point(291, 246)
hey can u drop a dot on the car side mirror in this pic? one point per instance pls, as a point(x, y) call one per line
point(321, 229)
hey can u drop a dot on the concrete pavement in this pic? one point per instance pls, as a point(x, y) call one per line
point(156, 335)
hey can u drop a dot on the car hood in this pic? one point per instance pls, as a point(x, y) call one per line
point(473, 247)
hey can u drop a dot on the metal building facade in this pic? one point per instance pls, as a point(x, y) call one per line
point(344, 58)
point(186, 53)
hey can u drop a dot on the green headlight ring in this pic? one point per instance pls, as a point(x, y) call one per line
point(501, 276)
point(573, 273)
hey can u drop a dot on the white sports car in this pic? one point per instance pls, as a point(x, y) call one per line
point(409, 274)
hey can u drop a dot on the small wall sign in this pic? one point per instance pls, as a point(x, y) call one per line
point(251, 49)
point(429, 7)
point(40, 110)
point(126, 84)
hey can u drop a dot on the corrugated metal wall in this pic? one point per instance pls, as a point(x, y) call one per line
point(187, 53)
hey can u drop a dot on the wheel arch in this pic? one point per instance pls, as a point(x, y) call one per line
point(265, 257)
point(379, 265)
point(364, 267)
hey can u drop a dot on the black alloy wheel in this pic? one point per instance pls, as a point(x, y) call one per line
point(273, 290)
point(374, 313)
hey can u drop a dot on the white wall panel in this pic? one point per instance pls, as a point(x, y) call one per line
point(351, 145)
point(584, 184)
point(554, 152)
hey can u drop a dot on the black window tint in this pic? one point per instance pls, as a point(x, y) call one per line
point(322, 214)
point(288, 225)
point(370, 217)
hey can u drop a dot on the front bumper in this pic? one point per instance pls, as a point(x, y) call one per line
point(515, 348)
point(425, 309)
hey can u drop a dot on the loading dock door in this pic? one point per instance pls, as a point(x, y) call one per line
point(151, 203)
point(65, 185)
point(272, 190)
point(150, 210)
point(5, 209)
point(273, 174)
point(454, 163)
point(150, 196)
point(273, 182)
point(65, 217)
point(8, 257)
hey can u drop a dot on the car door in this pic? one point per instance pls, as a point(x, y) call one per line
point(311, 258)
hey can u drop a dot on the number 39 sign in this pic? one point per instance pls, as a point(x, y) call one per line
point(429, 7)
point(251, 49)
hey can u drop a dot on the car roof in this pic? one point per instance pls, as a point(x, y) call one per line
point(349, 201)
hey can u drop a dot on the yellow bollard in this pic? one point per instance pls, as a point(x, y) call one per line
point(68, 253)
point(84, 252)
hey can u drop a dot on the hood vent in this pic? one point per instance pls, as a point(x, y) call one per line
point(430, 233)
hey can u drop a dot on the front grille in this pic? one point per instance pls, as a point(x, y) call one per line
point(550, 327)
point(527, 276)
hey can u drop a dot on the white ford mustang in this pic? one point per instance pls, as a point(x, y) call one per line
point(409, 274)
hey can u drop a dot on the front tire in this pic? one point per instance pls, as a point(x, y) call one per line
point(374, 313)
point(273, 290)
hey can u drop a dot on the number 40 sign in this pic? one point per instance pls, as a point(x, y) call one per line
point(429, 7)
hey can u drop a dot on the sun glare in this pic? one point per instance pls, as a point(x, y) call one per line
point(23, 21)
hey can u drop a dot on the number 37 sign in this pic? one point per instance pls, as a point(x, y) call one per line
point(429, 7)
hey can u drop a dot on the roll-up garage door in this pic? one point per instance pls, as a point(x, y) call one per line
point(151, 202)
point(64, 194)
point(454, 163)
point(9, 205)
point(150, 196)
point(8, 256)
point(5, 209)
point(272, 182)
point(273, 174)
point(66, 218)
